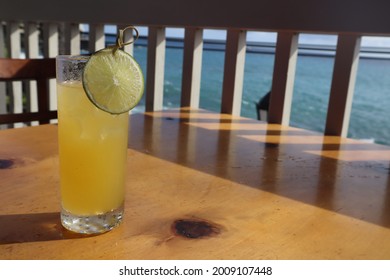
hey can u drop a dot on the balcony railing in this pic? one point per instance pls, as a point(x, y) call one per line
point(50, 29)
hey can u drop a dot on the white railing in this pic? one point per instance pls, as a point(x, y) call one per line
point(51, 28)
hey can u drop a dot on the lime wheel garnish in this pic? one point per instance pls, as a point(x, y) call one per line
point(112, 78)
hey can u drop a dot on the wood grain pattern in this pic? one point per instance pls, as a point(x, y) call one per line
point(266, 191)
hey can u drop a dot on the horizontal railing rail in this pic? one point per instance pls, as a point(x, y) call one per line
point(50, 29)
point(366, 17)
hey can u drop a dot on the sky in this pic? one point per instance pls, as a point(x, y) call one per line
point(367, 41)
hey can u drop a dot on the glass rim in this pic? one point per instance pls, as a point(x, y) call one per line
point(74, 57)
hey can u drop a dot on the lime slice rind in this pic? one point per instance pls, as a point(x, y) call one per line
point(113, 81)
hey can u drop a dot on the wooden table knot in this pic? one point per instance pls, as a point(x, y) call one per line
point(190, 228)
point(6, 163)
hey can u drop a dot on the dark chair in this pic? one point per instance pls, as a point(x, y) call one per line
point(262, 107)
point(40, 70)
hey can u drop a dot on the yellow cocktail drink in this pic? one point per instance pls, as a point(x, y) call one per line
point(92, 154)
point(95, 94)
point(92, 147)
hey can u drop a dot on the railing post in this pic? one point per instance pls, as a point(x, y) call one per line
point(50, 40)
point(3, 93)
point(51, 49)
point(96, 37)
point(31, 43)
point(283, 78)
point(72, 38)
point(343, 85)
point(31, 39)
point(233, 77)
point(2, 41)
point(192, 67)
point(155, 69)
point(14, 48)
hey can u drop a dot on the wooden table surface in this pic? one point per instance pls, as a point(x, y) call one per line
point(202, 185)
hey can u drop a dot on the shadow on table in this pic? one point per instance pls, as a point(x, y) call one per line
point(19, 228)
point(350, 178)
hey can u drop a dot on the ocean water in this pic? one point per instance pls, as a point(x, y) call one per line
point(371, 103)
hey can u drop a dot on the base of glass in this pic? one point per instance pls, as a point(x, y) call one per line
point(92, 224)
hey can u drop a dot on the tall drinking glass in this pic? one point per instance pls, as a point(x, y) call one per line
point(92, 154)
